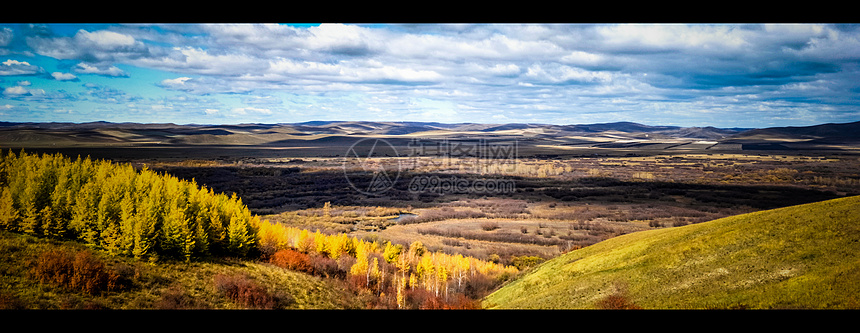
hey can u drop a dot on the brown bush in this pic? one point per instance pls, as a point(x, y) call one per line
point(53, 266)
point(244, 291)
point(79, 271)
point(293, 260)
point(10, 302)
point(175, 298)
point(478, 286)
point(616, 301)
point(423, 299)
point(489, 226)
point(89, 273)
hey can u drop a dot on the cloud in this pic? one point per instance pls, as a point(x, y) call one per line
point(193, 60)
point(173, 83)
point(15, 67)
point(64, 76)
point(84, 68)
point(101, 46)
point(206, 85)
point(22, 91)
point(247, 110)
point(5, 37)
point(559, 74)
point(104, 94)
point(648, 38)
point(15, 91)
point(533, 71)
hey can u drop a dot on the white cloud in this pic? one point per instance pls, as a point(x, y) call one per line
point(105, 39)
point(15, 67)
point(101, 46)
point(63, 76)
point(247, 110)
point(340, 38)
point(84, 68)
point(649, 37)
point(16, 90)
point(199, 61)
point(555, 74)
point(206, 85)
point(494, 47)
point(581, 58)
point(180, 81)
point(21, 91)
point(493, 70)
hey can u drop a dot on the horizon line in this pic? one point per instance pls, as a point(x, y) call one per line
point(395, 122)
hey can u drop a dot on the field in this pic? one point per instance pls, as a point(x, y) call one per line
point(512, 195)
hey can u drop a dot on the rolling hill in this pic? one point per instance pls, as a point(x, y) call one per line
point(332, 138)
point(798, 257)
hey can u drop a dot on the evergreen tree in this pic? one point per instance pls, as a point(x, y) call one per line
point(392, 252)
point(8, 214)
point(53, 225)
point(239, 239)
point(84, 214)
point(327, 209)
point(128, 220)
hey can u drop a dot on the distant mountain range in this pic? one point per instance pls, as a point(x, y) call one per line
point(395, 128)
point(601, 135)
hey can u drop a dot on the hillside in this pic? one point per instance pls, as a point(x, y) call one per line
point(169, 284)
point(805, 256)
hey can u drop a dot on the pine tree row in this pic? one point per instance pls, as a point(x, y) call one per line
point(122, 210)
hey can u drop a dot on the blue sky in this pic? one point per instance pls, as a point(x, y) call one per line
point(724, 75)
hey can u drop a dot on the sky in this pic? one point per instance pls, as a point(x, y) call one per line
point(722, 75)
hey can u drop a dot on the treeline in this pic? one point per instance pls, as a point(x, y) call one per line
point(401, 276)
point(119, 209)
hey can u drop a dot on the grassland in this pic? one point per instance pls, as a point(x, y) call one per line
point(799, 257)
point(162, 285)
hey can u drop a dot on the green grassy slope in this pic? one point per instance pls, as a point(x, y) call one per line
point(805, 256)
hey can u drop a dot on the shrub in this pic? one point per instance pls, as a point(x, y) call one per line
point(89, 274)
point(478, 286)
point(53, 266)
point(326, 267)
point(175, 298)
point(489, 226)
point(10, 302)
point(81, 271)
point(524, 262)
point(244, 291)
point(293, 260)
point(616, 302)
